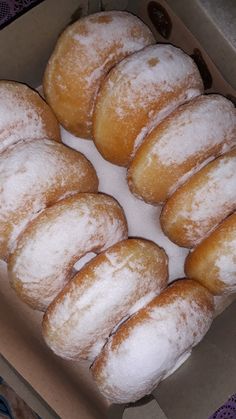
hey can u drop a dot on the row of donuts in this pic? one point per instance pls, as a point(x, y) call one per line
point(148, 112)
point(119, 302)
point(37, 258)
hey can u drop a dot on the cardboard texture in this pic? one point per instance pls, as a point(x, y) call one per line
point(209, 376)
point(213, 23)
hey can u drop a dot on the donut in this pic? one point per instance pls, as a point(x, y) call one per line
point(47, 250)
point(191, 136)
point(111, 287)
point(199, 205)
point(154, 342)
point(24, 114)
point(33, 175)
point(83, 55)
point(213, 261)
point(137, 94)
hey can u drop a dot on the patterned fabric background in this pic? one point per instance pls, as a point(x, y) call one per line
point(228, 411)
point(11, 9)
point(12, 406)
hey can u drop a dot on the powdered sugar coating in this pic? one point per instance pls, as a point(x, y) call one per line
point(149, 346)
point(188, 139)
point(156, 118)
point(226, 265)
point(213, 261)
point(138, 93)
point(202, 202)
point(113, 28)
point(156, 65)
point(205, 203)
point(126, 277)
point(206, 121)
point(85, 52)
point(35, 174)
point(24, 115)
point(46, 252)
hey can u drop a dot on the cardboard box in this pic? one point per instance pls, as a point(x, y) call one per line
point(209, 376)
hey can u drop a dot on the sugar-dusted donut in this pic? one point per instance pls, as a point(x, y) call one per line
point(111, 287)
point(137, 94)
point(196, 208)
point(83, 55)
point(154, 342)
point(47, 250)
point(33, 175)
point(24, 114)
point(213, 261)
point(191, 136)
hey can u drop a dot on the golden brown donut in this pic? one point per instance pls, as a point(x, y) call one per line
point(24, 114)
point(108, 289)
point(154, 342)
point(47, 250)
point(213, 261)
point(34, 175)
point(196, 208)
point(83, 55)
point(189, 137)
point(137, 94)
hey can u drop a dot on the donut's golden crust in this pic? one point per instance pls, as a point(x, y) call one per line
point(174, 149)
point(24, 115)
point(188, 292)
point(83, 55)
point(101, 295)
point(34, 175)
point(47, 250)
point(181, 288)
point(137, 94)
point(213, 261)
point(199, 205)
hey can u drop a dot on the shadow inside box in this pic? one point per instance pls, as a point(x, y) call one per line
point(147, 408)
